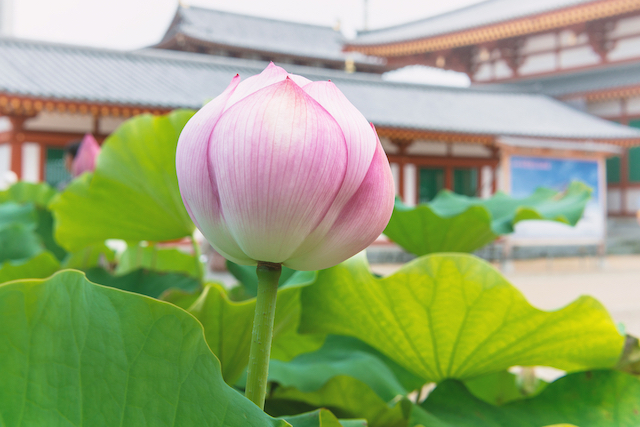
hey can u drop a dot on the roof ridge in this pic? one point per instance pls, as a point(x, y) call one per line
point(263, 18)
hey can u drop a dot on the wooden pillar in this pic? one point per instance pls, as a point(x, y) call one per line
point(448, 178)
point(16, 138)
point(43, 162)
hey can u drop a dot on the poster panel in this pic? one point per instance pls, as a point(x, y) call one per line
point(529, 173)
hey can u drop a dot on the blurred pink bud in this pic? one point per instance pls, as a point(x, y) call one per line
point(85, 160)
point(284, 170)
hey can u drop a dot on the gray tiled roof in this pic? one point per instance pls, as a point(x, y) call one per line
point(611, 77)
point(477, 15)
point(161, 78)
point(262, 34)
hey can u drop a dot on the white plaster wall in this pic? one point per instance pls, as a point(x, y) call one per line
point(470, 150)
point(62, 122)
point(579, 56)
point(633, 105)
point(538, 63)
point(633, 200)
point(31, 162)
point(388, 147)
point(625, 49)
point(605, 108)
point(109, 124)
point(502, 70)
point(427, 148)
point(485, 72)
point(410, 181)
point(5, 158)
point(626, 27)
point(568, 38)
point(614, 200)
point(487, 180)
point(395, 172)
point(539, 42)
point(5, 124)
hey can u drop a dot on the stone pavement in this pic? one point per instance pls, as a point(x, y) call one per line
point(550, 284)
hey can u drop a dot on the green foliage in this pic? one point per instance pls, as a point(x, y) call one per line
point(89, 257)
point(40, 194)
point(73, 353)
point(247, 276)
point(340, 355)
point(501, 387)
point(153, 258)
point(456, 223)
point(38, 267)
point(346, 397)
point(18, 242)
point(586, 399)
point(228, 325)
point(322, 418)
point(145, 282)
point(455, 316)
point(133, 194)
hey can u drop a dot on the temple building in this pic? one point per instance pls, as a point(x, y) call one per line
point(505, 132)
point(583, 52)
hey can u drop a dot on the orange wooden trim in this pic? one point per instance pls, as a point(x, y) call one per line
point(12, 104)
point(527, 25)
point(43, 162)
point(412, 134)
point(56, 139)
point(606, 94)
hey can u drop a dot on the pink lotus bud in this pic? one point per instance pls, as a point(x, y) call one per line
point(85, 160)
point(283, 170)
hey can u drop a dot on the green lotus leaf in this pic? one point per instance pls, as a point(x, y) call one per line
point(19, 242)
point(457, 223)
point(322, 418)
point(501, 387)
point(145, 282)
point(151, 258)
point(40, 194)
point(344, 396)
point(133, 194)
point(586, 399)
point(38, 267)
point(89, 257)
point(228, 324)
point(455, 316)
point(13, 213)
point(75, 353)
point(342, 355)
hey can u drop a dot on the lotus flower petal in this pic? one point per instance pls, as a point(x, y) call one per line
point(283, 171)
point(85, 160)
point(360, 222)
point(197, 186)
point(270, 75)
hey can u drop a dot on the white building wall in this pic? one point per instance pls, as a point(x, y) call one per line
point(633, 106)
point(110, 124)
point(484, 72)
point(5, 158)
point(470, 150)
point(502, 70)
point(427, 148)
point(538, 63)
point(410, 182)
point(388, 146)
point(626, 27)
point(614, 200)
point(395, 172)
point(62, 122)
point(31, 162)
point(633, 200)
point(487, 181)
point(539, 42)
point(625, 49)
point(578, 57)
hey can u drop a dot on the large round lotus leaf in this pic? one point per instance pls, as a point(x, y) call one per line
point(133, 194)
point(585, 399)
point(456, 223)
point(455, 316)
point(77, 354)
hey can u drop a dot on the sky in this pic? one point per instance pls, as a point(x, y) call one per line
point(133, 24)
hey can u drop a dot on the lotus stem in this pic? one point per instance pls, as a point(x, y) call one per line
point(258, 370)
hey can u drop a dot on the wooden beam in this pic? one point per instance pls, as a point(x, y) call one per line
point(443, 162)
point(56, 139)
